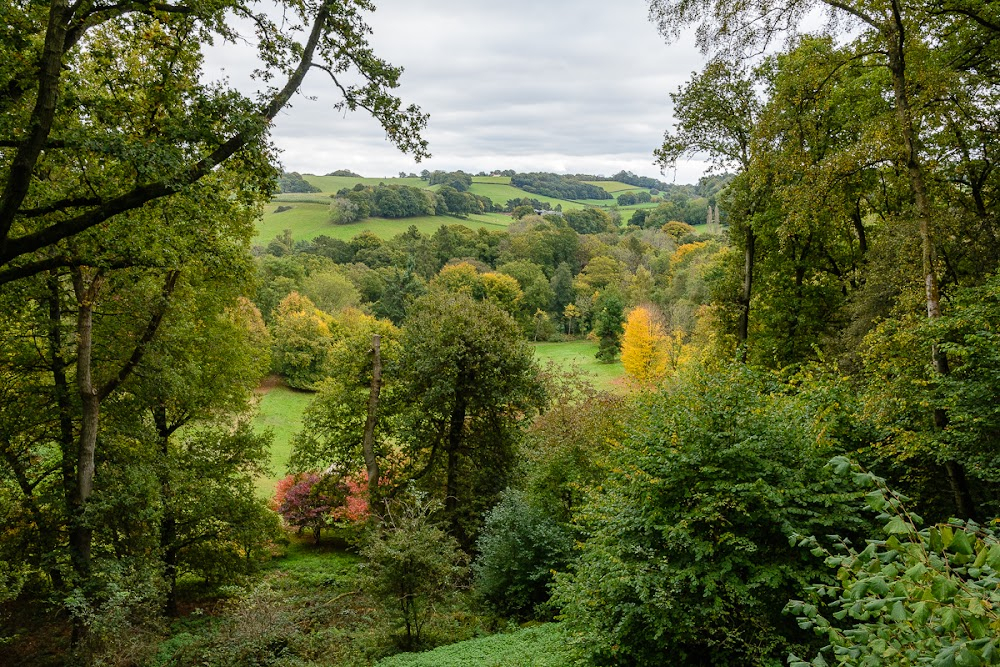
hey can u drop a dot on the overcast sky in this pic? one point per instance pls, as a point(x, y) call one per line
point(569, 86)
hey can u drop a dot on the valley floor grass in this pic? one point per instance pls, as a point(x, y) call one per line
point(280, 410)
point(583, 355)
point(538, 646)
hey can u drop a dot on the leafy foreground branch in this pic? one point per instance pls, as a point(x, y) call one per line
point(921, 596)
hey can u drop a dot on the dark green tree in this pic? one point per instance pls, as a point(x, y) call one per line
point(471, 384)
point(609, 322)
point(688, 550)
point(71, 163)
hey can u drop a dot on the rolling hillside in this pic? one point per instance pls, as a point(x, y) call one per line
point(306, 215)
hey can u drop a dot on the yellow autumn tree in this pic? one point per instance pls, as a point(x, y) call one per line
point(645, 347)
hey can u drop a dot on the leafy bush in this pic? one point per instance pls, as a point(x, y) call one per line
point(313, 500)
point(560, 187)
point(918, 596)
point(519, 548)
point(687, 552)
point(293, 182)
point(412, 565)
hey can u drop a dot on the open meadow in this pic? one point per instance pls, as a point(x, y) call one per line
point(307, 215)
point(280, 411)
point(539, 646)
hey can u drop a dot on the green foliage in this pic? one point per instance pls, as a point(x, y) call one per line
point(566, 451)
point(223, 529)
point(303, 336)
point(916, 596)
point(458, 180)
point(559, 187)
point(293, 182)
point(412, 564)
point(519, 548)
point(333, 424)
point(970, 335)
point(609, 323)
point(590, 220)
point(687, 552)
point(470, 384)
point(538, 646)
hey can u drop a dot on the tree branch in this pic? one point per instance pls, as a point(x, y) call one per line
point(856, 13)
point(10, 249)
point(147, 338)
point(39, 124)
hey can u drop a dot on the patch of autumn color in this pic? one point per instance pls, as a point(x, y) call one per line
point(685, 250)
point(313, 500)
point(649, 353)
point(644, 349)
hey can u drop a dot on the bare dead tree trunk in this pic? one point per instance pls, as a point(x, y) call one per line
point(368, 443)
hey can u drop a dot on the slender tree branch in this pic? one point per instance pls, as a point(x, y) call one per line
point(856, 13)
point(147, 338)
point(12, 248)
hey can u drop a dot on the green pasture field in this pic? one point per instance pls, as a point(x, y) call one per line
point(505, 180)
point(599, 203)
point(616, 187)
point(281, 411)
point(583, 355)
point(500, 194)
point(539, 646)
point(302, 198)
point(331, 184)
point(307, 221)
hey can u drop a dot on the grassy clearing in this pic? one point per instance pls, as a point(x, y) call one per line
point(310, 565)
point(306, 220)
point(504, 180)
point(280, 411)
point(539, 646)
point(582, 355)
point(616, 187)
point(500, 194)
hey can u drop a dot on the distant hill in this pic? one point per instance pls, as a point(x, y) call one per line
point(307, 212)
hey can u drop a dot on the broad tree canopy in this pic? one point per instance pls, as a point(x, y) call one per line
point(104, 110)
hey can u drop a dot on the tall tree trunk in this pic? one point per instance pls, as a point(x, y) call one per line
point(81, 534)
point(61, 391)
point(743, 328)
point(456, 429)
point(87, 284)
point(896, 37)
point(368, 443)
point(168, 520)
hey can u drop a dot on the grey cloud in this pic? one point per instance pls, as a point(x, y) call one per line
point(520, 84)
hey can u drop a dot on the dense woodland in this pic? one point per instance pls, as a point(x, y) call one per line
point(801, 466)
